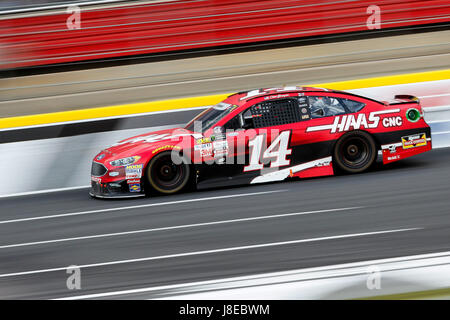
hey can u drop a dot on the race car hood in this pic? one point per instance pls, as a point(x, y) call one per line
point(146, 142)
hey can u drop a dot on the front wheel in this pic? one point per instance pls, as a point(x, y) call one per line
point(166, 176)
point(355, 152)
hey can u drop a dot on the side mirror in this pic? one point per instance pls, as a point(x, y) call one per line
point(318, 112)
point(218, 130)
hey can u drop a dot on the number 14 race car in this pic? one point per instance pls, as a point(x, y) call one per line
point(262, 136)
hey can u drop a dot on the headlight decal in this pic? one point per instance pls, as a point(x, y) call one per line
point(124, 161)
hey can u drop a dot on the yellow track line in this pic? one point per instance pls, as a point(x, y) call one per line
point(145, 107)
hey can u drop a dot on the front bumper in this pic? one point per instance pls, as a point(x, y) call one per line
point(117, 189)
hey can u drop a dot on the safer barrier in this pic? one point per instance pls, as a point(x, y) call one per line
point(189, 24)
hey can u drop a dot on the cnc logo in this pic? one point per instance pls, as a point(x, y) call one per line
point(355, 122)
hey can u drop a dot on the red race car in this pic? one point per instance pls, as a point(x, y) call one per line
point(261, 136)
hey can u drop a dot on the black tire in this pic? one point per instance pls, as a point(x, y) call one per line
point(166, 177)
point(355, 152)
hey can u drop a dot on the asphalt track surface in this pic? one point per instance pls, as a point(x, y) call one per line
point(396, 210)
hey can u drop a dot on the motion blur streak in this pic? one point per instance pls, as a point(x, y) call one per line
point(196, 253)
point(193, 76)
point(171, 228)
point(137, 206)
point(183, 25)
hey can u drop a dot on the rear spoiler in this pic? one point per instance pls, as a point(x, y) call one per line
point(403, 99)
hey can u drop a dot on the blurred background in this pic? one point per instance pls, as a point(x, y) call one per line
point(76, 76)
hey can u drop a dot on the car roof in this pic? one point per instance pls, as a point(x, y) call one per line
point(242, 97)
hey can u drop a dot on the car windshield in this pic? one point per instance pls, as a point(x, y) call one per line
point(209, 117)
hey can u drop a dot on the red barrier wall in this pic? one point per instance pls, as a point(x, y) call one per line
point(188, 24)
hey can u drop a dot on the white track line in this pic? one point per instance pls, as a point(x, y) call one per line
point(138, 206)
point(105, 235)
point(30, 193)
point(197, 253)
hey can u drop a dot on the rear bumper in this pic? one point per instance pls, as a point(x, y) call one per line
point(407, 146)
point(117, 189)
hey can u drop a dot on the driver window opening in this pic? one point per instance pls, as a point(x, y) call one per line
point(323, 106)
point(267, 114)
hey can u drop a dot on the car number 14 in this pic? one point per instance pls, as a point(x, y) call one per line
point(278, 150)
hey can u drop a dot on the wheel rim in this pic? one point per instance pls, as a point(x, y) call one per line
point(355, 152)
point(166, 174)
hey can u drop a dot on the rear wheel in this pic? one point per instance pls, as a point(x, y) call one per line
point(355, 152)
point(167, 175)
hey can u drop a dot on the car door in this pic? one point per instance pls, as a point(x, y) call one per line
point(258, 141)
point(317, 136)
point(309, 153)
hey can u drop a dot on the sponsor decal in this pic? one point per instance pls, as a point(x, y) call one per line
point(113, 173)
point(203, 140)
point(220, 136)
point(133, 171)
point(355, 122)
point(392, 148)
point(323, 163)
point(204, 146)
point(220, 147)
point(413, 141)
point(171, 147)
point(222, 144)
point(206, 153)
point(206, 149)
point(392, 122)
point(96, 179)
point(396, 157)
point(136, 187)
point(100, 157)
point(133, 181)
point(276, 96)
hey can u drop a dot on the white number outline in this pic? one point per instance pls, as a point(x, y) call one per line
point(257, 155)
